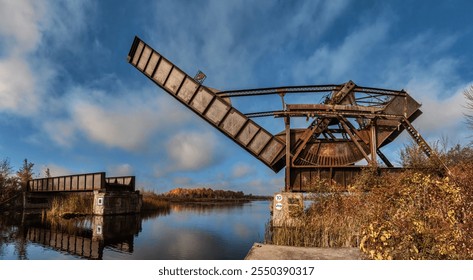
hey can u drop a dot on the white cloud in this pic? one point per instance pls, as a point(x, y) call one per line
point(123, 169)
point(127, 120)
point(191, 150)
point(17, 87)
point(26, 70)
point(19, 36)
point(430, 75)
point(19, 25)
point(442, 116)
point(116, 126)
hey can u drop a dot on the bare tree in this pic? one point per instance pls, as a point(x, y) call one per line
point(47, 173)
point(8, 183)
point(468, 93)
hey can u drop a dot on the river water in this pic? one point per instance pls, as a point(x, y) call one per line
point(190, 232)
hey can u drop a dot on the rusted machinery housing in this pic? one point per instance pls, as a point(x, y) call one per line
point(344, 135)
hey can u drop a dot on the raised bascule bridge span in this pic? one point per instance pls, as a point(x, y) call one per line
point(345, 134)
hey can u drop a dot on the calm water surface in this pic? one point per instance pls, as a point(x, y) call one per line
point(192, 232)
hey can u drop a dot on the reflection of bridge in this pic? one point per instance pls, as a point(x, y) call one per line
point(111, 195)
point(89, 239)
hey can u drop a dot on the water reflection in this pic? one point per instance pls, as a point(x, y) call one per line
point(82, 237)
point(184, 231)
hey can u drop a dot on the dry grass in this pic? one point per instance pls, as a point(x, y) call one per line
point(416, 214)
point(152, 201)
point(71, 205)
point(330, 221)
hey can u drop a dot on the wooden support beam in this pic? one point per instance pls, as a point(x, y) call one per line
point(287, 122)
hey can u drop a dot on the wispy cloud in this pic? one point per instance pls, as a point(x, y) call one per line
point(230, 39)
point(54, 170)
point(336, 63)
point(241, 170)
point(129, 122)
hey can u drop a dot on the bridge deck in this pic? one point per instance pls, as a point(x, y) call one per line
point(82, 183)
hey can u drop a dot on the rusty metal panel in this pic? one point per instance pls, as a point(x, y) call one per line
point(188, 89)
point(61, 183)
point(233, 122)
point(259, 141)
point(174, 80)
point(53, 239)
point(162, 72)
point(317, 179)
point(202, 99)
point(74, 183)
point(120, 183)
point(72, 243)
point(248, 132)
point(79, 182)
point(87, 247)
point(390, 129)
point(79, 245)
point(153, 61)
point(89, 181)
point(272, 150)
point(207, 104)
point(95, 250)
point(217, 111)
point(144, 58)
point(139, 49)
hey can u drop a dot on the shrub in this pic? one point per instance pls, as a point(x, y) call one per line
point(421, 218)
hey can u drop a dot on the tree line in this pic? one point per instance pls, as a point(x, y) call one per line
point(204, 193)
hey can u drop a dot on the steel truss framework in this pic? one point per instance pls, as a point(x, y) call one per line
point(348, 127)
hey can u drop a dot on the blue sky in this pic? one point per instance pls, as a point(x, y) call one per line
point(70, 102)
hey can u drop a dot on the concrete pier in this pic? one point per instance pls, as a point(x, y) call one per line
point(111, 203)
point(286, 209)
point(275, 252)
